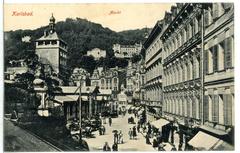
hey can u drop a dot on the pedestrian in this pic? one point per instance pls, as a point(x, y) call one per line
point(103, 130)
point(115, 137)
point(138, 127)
point(115, 147)
point(130, 133)
point(134, 132)
point(100, 131)
point(106, 147)
point(110, 121)
point(155, 143)
point(120, 137)
point(147, 139)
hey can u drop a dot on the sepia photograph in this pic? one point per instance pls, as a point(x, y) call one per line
point(118, 77)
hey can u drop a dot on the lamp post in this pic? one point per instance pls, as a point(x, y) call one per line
point(80, 110)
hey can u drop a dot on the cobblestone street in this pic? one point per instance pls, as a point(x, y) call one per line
point(120, 123)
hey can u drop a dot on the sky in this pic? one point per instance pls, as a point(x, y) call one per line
point(117, 17)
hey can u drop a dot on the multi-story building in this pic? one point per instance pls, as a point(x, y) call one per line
point(107, 79)
point(126, 51)
point(80, 75)
point(218, 107)
point(52, 50)
point(198, 38)
point(97, 53)
point(15, 68)
point(153, 72)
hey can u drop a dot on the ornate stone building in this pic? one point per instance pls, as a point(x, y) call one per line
point(153, 72)
point(181, 63)
point(80, 74)
point(198, 71)
point(219, 95)
point(126, 51)
point(107, 79)
point(52, 50)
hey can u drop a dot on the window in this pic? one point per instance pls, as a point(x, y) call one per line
point(194, 110)
point(215, 108)
point(227, 109)
point(228, 53)
point(214, 51)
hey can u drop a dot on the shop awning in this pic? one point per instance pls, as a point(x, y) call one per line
point(75, 97)
point(159, 123)
point(62, 99)
point(203, 141)
point(222, 145)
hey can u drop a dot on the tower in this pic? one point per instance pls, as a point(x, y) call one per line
point(52, 50)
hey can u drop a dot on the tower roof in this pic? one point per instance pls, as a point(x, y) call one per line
point(52, 19)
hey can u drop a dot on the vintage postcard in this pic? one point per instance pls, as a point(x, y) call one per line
point(119, 77)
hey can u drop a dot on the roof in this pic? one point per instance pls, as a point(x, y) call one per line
point(86, 89)
point(50, 36)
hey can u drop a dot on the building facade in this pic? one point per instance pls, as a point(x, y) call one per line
point(15, 68)
point(97, 53)
point(107, 79)
point(198, 81)
point(126, 51)
point(52, 51)
point(80, 74)
point(153, 72)
point(219, 69)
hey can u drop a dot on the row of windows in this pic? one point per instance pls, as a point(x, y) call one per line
point(47, 42)
point(188, 107)
point(220, 56)
point(154, 72)
point(184, 33)
point(218, 108)
point(154, 95)
point(107, 81)
point(182, 72)
point(153, 48)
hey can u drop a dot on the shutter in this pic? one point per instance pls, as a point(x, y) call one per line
point(193, 108)
point(215, 58)
point(228, 53)
point(215, 108)
point(205, 108)
point(227, 107)
point(206, 62)
point(206, 17)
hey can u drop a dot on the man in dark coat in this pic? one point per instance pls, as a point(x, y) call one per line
point(106, 147)
point(115, 147)
point(110, 121)
point(134, 132)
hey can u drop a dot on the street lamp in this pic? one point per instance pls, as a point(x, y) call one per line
point(80, 109)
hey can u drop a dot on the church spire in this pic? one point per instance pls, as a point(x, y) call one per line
point(52, 24)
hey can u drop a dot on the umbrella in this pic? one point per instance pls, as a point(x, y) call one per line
point(114, 131)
